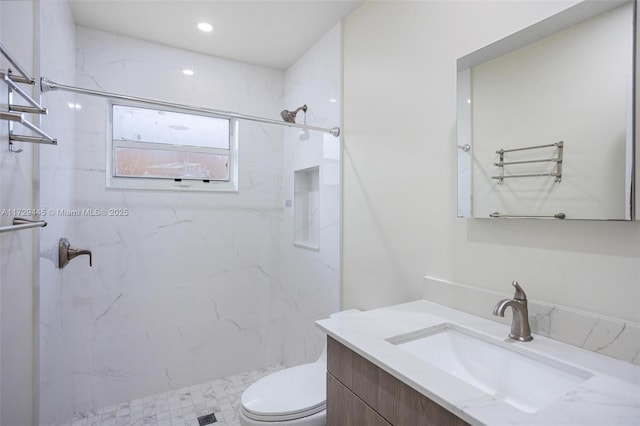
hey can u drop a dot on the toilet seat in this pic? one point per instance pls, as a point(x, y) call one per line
point(288, 394)
point(270, 418)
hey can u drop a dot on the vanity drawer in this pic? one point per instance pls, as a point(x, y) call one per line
point(344, 408)
point(396, 402)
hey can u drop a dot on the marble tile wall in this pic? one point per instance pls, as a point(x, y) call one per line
point(57, 184)
point(17, 193)
point(310, 279)
point(605, 335)
point(184, 287)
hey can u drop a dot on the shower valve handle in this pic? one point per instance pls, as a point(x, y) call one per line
point(66, 252)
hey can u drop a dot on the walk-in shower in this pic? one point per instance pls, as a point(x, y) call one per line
point(149, 333)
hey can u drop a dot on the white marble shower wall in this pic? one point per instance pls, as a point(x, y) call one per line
point(310, 279)
point(57, 186)
point(17, 192)
point(185, 287)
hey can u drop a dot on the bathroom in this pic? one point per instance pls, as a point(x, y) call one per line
point(192, 286)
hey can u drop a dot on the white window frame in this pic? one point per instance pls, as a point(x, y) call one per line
point(170, 184)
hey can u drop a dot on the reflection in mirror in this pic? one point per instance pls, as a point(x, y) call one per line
point(548, 114)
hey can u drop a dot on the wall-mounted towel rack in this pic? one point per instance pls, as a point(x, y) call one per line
point(557, 160)
point(36, 107)
point(507, 216)
point(14, 114)
point(17, 117)
point(24, 75)
point(21, 223)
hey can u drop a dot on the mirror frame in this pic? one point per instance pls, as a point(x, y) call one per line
point(560, 21)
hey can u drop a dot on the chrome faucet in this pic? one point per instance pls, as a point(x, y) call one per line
point(520, 329)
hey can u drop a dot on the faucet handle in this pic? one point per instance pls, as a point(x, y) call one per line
point(519, 294)
point(72, 252)
point(67, 252)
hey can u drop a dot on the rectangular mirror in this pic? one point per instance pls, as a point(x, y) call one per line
point(546, 119)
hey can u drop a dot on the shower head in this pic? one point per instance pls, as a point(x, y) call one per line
point(290, 116)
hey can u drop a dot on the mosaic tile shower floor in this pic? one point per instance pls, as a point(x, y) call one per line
point(180, 407)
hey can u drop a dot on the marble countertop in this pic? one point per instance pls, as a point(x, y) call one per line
point(610, 397)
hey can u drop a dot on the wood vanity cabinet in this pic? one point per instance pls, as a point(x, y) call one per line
point(361, 394)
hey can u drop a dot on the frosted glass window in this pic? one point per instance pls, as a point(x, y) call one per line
point(174, 128)
point(158, 149)
point(157, 163)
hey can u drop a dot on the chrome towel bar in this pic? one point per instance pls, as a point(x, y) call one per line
point(556, 175)
point(557, 144)
point(15, 110)
point(24, 77)
point(557, 159)
point(507, 216)
point(508, 163)
point(21, 223)
point(38, 109)
point(17, 117)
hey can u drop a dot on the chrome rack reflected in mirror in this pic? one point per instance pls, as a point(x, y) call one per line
point(557, 159)
point(15, 110)
point(21, 223)
point(508, 216)
point(571, 76)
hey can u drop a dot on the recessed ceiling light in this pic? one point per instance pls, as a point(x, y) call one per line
point(333, 100)
point(187, 72)
point(205, 27)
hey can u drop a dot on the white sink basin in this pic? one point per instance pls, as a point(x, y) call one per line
point(523, 379)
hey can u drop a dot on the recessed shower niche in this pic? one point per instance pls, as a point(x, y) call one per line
point(306, 208)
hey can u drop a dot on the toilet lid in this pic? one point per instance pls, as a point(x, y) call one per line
point(287, 394)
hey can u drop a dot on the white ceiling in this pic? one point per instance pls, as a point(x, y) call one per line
point(270, 33)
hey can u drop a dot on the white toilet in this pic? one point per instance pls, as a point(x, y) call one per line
point(295, 396)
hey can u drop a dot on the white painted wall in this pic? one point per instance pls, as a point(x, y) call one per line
point(17, 191)
point(399, 194)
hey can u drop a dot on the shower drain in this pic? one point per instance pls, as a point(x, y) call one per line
point(207, 419)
